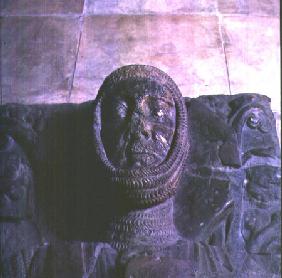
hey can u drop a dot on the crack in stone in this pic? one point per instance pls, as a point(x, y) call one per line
point(76, 56)
point(224, 50)
point(219, 16)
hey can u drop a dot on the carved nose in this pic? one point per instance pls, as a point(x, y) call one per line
point(145, 131)
point(141, 129)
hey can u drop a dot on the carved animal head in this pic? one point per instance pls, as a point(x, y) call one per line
point(140, 133)
point(254, 124)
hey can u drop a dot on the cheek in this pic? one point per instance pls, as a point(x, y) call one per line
point(113, 136)
point(163, 134)
point(166, 126)
point(169, 118)
point(110, 119)
point(113, 129)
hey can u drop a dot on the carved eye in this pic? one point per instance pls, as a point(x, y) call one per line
point(253, 120)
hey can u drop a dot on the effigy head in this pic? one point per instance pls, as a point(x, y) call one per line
point(138, 124)
point(15, 181)
point(140, 133)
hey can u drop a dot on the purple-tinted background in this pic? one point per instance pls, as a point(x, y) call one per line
point(61, 50)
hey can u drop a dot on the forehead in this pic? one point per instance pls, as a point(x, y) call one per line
point(138, 89)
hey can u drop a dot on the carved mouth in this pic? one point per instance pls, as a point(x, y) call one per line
point(143, 158)
point(143, 155)
point(143, 150)
point(140, 155)
point(139, 149)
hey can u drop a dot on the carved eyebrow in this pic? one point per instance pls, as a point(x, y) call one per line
point(163, 99)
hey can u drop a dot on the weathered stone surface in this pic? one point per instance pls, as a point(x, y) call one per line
point(244, 38)
point(149, 6)
point(234, 131)
point(261, 218)
point(201, 205)
point(35, 7)
point(247, 135)
point(183, 259)
point(249, 7)
point(37, 58)
point(188, 48)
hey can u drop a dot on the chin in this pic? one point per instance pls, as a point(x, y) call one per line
point(143, 160)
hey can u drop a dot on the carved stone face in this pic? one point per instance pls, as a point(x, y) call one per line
point(138, 124)
point(14, 180)
point(140, 133)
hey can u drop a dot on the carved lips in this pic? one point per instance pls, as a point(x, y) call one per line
point(142, 156)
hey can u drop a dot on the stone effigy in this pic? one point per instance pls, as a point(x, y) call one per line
point(145, 183)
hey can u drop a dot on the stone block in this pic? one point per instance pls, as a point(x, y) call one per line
point(188, 48)
point(37, 58)
point(39, 7)
point(149, 6)
point(253, 55)
point(249, 7)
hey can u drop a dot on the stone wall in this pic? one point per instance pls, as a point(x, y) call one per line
point(60, 51)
